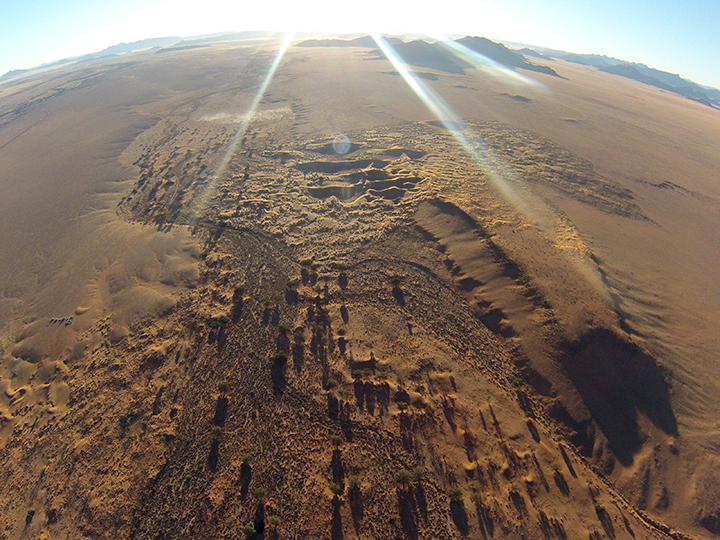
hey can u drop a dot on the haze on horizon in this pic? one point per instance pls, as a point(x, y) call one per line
point(678, 37)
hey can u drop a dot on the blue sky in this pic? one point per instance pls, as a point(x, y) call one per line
point(677, 36)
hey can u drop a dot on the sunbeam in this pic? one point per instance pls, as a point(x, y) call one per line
point(487, 65)
point(240, 133)
point(504, 180)
point(500, 176)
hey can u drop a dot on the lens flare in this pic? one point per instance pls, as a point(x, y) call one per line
point(207, 193)
point(500, 176)
point(487, 65)
point(341, 143)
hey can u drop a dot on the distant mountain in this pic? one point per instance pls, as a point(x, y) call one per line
point(228, 36)
point(136, 46)
point(430, 55)
point(501, 54)
point(120, 48)
point(13, 73)
point(364, 41)
point(670, 82)
point(438, 55)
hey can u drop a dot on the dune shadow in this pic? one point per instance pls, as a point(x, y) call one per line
point(616, 379)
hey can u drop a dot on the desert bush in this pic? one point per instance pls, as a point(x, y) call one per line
point(245, 458)
point(331, 383)
point(455, 494)
point(216, 430)
point(224, 387)
point(402, 405)
point(403, 476)
point(260, 492)
point(274, 521)
point(336, 440)
point(250, 529)
point(355, 482)
point(336, 489)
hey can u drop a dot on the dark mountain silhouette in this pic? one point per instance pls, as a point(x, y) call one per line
point(363, 41)
point(642, 73)
point(430, 55)
point(438, 55)
point(501, 54)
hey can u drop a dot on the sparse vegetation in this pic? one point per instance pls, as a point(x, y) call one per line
point(403, 477)
point(355, 482)
point(331, 383)
point(260, 492)
point(336, 488)
point(246, 458)
point(455, 494)
point(250, 529)
point(274, 521)
point(336, 440)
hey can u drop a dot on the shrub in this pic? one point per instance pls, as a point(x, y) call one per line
point(250, 529)
point(216, 430)
point(403, 476)
point(341, 331)
point(336, 489)
point(274, 521)
point(260, 492)
point(336, 440)
point(455, 494)
point(402, 405)
point(355, 482)
point(224, 387)
point(331, 383)
point(246, 458)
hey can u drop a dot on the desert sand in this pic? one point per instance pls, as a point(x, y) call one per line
point(504, 327)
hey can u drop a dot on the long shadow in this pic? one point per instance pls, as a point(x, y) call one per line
point(357, 508)
point(245, 479)
point(616, 379)
point(277, 373)
point(337, 530)
point(214, 454)
point(459, 516)
point(338, 469)
point(408, 513)
point(221, 408)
